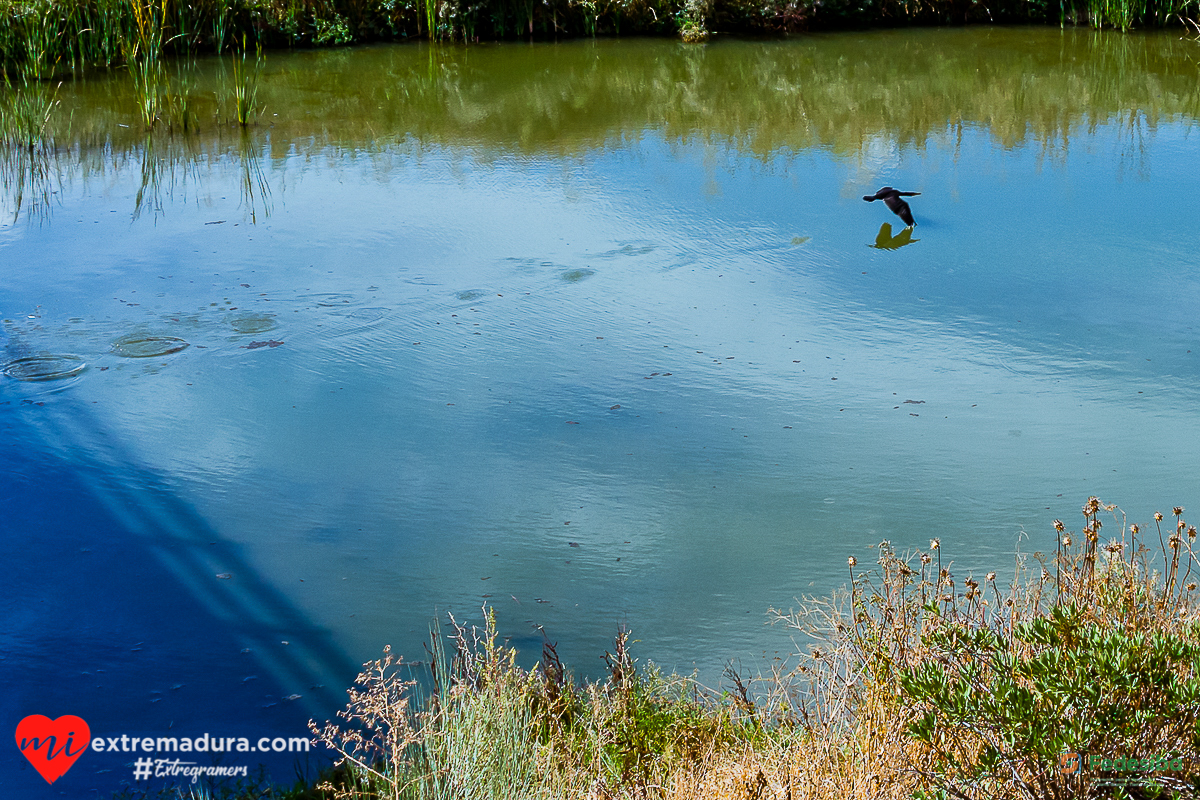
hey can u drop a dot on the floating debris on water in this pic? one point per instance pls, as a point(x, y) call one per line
point(139, 346)
point(577, 275)
point(256, 345)
point(45, 368)
point(254, 323)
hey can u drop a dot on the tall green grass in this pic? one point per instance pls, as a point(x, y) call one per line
point(75, 35)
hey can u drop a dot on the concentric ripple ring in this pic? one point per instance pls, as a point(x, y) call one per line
point(44, 368)
point(147, 346)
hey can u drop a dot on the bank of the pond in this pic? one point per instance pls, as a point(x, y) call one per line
point(917, 682)
point(44, 39)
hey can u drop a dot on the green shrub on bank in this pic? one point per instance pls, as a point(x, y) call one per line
point(1012, 706)
point(1111, 670)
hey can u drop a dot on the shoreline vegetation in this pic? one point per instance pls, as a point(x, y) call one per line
point(45, 40)
point(1081, 679)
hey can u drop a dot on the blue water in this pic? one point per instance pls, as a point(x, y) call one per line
point(401, 398)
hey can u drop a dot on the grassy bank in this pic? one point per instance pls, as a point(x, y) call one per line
point(918, 682)
point(49, 38)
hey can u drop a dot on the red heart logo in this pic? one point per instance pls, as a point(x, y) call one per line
point(52, 745)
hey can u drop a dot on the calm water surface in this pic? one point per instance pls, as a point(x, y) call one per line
point(594, 332)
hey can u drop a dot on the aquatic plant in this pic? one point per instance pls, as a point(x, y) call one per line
point(28, 155)
point(26, 109)
point(245, 84)
point(142, 48)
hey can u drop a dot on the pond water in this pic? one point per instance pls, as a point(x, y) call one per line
point(592, 332)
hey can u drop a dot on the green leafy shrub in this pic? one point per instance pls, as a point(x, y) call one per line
point(1000, 709)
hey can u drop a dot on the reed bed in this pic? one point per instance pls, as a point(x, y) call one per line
point(919, 682)
point(69, 36)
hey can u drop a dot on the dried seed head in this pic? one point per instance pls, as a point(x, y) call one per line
point(1180, 525)
point(852, 561)
point(991, 577)
point(1066, 541)
point(1097, 524)
point(934, 544)
point(1135, 529)
point(1114, 547)
point(1158, 516)
point(1177, 510)
point(1058, 525)
point(925, 559)
point(1009, 602)
point(1174, 540)
point(1191, 532)
point(1191, 587)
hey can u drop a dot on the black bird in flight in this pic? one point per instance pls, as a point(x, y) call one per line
point(892, 197)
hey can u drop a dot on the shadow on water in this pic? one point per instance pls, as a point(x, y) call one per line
point(884, 240)
point(157, 624)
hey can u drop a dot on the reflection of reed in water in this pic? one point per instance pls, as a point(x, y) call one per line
point(28, 158)
point(166, 163)
point(170, 164)
point(256, 190)
point(29, 176)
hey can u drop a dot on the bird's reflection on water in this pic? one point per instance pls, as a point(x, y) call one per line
point(885, 241)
